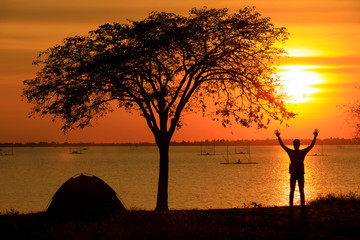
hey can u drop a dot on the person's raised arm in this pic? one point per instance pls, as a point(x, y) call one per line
point(316, 132)
point(277, 133)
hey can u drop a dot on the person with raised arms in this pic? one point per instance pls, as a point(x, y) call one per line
point(296, 168)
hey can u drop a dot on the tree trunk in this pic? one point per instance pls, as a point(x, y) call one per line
point(162, 196)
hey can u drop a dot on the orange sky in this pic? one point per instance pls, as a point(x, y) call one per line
point(323, 34)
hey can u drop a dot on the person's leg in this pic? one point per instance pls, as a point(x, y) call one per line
point(301, 182)
point(292, 189)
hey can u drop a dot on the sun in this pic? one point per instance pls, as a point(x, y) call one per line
point(299, 82)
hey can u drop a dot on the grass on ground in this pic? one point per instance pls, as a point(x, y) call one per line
point(327, 217)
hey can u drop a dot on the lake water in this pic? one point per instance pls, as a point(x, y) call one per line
point(30, 178)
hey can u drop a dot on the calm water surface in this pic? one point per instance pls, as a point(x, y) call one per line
point(31, 177)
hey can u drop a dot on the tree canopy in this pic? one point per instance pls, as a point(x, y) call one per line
point(212, 61)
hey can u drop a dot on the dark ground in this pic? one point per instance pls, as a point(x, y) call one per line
point(320, 220)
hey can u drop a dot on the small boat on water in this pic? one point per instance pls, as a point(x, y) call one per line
point(207, 150)
point(244, 157)
point(75, 151)
point(319, 152)
point(7, 152)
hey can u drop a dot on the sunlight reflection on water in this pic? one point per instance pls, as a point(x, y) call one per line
point(31, 177)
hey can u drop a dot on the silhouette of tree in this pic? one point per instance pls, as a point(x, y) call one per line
point(164, 66)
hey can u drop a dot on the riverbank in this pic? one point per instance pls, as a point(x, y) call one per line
point(326, 218)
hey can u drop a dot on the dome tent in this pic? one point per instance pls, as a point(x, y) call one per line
point(84, 196)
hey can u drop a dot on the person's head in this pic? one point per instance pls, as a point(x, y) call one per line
point(296, 143)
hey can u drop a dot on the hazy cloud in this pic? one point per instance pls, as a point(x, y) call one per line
point(112, 10)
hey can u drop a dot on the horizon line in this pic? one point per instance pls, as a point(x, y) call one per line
point(189, 142)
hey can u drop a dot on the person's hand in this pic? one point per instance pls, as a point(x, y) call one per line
point(277, 133)
point(316, 132)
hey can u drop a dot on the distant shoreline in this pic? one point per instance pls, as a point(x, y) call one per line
point(217, 142)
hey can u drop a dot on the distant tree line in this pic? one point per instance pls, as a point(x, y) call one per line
point(216, 142)
point(223, 142)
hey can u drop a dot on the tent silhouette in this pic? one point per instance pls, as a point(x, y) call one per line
point(84, 196)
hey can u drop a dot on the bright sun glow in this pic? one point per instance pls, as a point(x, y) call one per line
point(299, 82)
